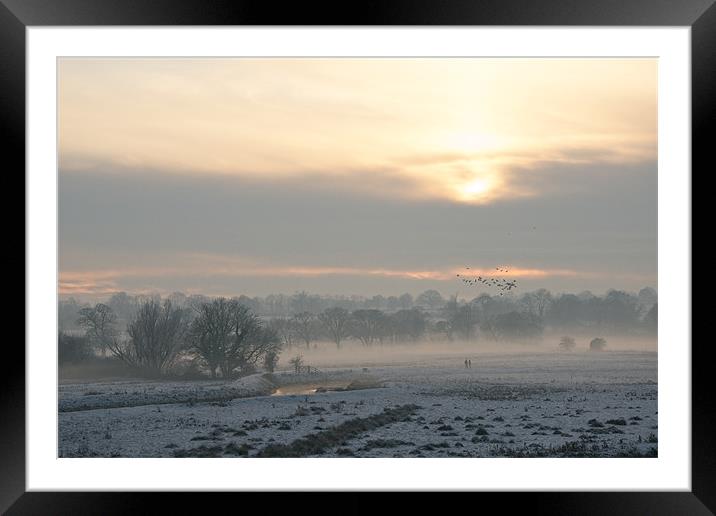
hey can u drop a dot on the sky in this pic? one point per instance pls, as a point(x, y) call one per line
point(349, 176)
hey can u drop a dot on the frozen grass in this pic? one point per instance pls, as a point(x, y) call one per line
point(316, 444)
point(516, 406)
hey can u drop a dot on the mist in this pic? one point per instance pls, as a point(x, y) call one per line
point(357, 257)
point(356, 331)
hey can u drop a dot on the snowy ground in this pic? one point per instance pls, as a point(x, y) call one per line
point(539, 404)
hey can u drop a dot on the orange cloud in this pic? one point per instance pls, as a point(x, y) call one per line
point(110, 280)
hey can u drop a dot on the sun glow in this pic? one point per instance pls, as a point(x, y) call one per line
point(474, 190)
point(355, 122)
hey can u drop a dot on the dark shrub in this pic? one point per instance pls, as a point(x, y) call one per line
point(597, 344)
point(619, 421)
point(72, 348)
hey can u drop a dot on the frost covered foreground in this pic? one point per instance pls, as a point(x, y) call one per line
point(527, 405)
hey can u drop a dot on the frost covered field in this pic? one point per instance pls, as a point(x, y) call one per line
point(399, 403)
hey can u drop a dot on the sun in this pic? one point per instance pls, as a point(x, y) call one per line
point(474, 189)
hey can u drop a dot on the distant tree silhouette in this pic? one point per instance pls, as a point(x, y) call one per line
point(462, 318)
point(367, 325)
point(285, 329)
point(377, 302)
point(270, 361)
point(305, 327)
point(620, 311)
point(651, 319)
point(406, 301)
point(123, 305)
point(537, 302)
point(67, 313)
point(566, 311)
point(72, 348)
point(512, 325)
point(597, 344)
point(297, 363)
point(336, 323)
point(430, 299)
point(100, 325)
point(567, 343)
point(408, 324)
point(647, 298)
point(443, 328)
point(392, 303)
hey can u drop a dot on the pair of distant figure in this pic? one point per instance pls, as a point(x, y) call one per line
point(468, 364)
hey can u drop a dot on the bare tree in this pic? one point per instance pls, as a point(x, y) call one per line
point(443, 328)
point(123, 305)
point(406, 301)
point(512, 325)
point(245, 329)
point(99, 324)
point(367, 325)
point(156, 334)
point(299, 301)
point(297, 363)
point(567, 343)
point(251, 341)
point(408, 324)
point(210, 332)
point(537, 302)
point(336, 322)
point(270, 361)
point(305, 327)
point(284, 328)
point(230, 338)
point(430, 299)
point(462, 317)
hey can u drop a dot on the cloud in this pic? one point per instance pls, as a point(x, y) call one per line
point(436, 177)
point(201, 266)
point(321, 171)
point(589, 215)
point(400, 128)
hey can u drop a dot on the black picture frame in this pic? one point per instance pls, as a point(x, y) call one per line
point(17, 15)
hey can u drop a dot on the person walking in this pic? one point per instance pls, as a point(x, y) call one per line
point(469, 364)
point(466, 363)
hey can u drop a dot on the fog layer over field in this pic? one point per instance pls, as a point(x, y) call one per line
point(325, 354)
point(540, 376)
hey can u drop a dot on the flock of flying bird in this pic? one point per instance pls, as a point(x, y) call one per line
point(501, 284)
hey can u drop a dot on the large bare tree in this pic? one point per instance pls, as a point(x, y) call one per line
point(368, 325)
point(100, 325)
point(210, 332)
point(336, 323)
point(305, 326)
point(251, 341)
point(230, 338)
point(156, 335)
point(284, 328)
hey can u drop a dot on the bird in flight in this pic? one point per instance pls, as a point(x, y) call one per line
point(501, 284)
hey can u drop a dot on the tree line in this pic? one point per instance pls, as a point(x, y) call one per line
point(615, 311)
point(222, 334)
point(228, 338)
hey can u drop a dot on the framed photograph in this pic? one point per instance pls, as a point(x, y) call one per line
point(416, 247)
